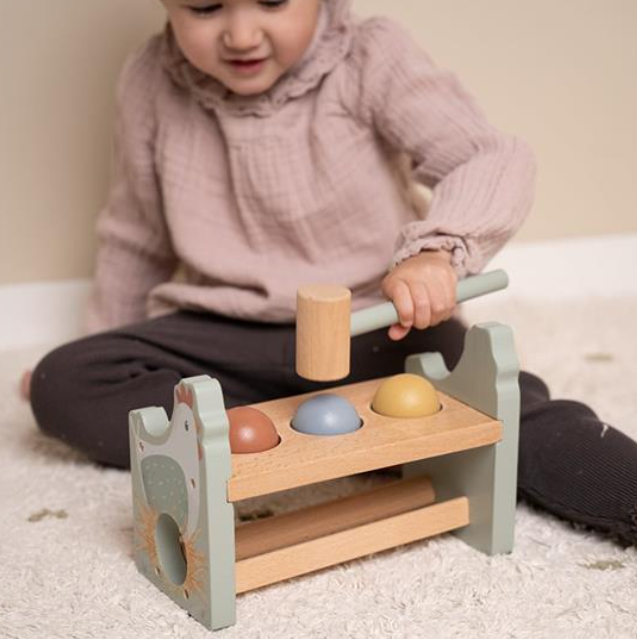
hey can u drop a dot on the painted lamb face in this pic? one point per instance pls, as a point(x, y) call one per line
point(176, 458)
point(183, 415)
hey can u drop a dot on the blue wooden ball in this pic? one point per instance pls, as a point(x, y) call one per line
point(326, 415)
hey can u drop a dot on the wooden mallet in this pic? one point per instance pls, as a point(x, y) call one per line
point(325, 323)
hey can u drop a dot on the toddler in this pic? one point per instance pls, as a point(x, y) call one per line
point(266, 144)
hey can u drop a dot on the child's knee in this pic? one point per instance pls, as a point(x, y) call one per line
point(557, 416)
point(532, 389)
point(69, 401)
point(53, 384)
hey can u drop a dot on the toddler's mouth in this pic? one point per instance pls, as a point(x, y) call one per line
point(247, 65)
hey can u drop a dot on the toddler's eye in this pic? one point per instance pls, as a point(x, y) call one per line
point(205, 10)
point(273, 3)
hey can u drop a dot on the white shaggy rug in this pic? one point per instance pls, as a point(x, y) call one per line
point(66, 545)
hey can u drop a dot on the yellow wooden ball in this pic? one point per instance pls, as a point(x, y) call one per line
point(406, 395)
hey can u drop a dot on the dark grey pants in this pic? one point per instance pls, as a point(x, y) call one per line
point(570, 463)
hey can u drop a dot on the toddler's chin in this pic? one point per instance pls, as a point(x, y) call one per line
point(251, 87)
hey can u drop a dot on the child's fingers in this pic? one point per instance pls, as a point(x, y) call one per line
point(423, 290)
point(421, 299)
point(439, 300)
point(400, 296)
point(442, 295)
point(398, 331)
point(450, 297)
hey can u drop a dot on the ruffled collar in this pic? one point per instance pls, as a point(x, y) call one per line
point(330, 44)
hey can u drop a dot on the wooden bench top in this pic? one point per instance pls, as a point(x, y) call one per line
point(302, 459)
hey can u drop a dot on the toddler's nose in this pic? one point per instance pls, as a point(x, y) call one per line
point(242, 35)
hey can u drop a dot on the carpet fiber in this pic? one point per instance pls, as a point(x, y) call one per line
point(66, 536)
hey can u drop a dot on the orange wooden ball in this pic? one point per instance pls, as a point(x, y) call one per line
point(251, 431)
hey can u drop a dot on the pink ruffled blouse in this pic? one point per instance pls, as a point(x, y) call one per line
point(226, 203)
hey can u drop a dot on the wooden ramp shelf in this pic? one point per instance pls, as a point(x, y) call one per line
point(302, 459)
point(313, 538)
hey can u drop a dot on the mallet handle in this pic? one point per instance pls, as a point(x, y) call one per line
point(383, 315)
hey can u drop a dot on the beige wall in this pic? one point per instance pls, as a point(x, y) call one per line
point(560, 74)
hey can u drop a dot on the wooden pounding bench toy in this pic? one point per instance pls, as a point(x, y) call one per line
point(457, 445)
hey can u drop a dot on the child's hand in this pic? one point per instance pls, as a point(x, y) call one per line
point(423, 290)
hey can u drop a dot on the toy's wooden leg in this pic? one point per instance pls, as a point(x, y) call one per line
point(486, 378)
point(183, 523)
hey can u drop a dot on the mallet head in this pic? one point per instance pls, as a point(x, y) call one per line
point(323, 316)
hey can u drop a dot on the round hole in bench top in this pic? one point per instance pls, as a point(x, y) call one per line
point(326, 414)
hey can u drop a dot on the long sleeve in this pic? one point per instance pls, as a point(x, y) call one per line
point(482, 180)
point(134, 251)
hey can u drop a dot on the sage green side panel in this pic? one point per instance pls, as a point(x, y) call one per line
point(183, 523)
point(486, 378)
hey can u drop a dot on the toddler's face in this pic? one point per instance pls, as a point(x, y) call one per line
point(214, 36)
